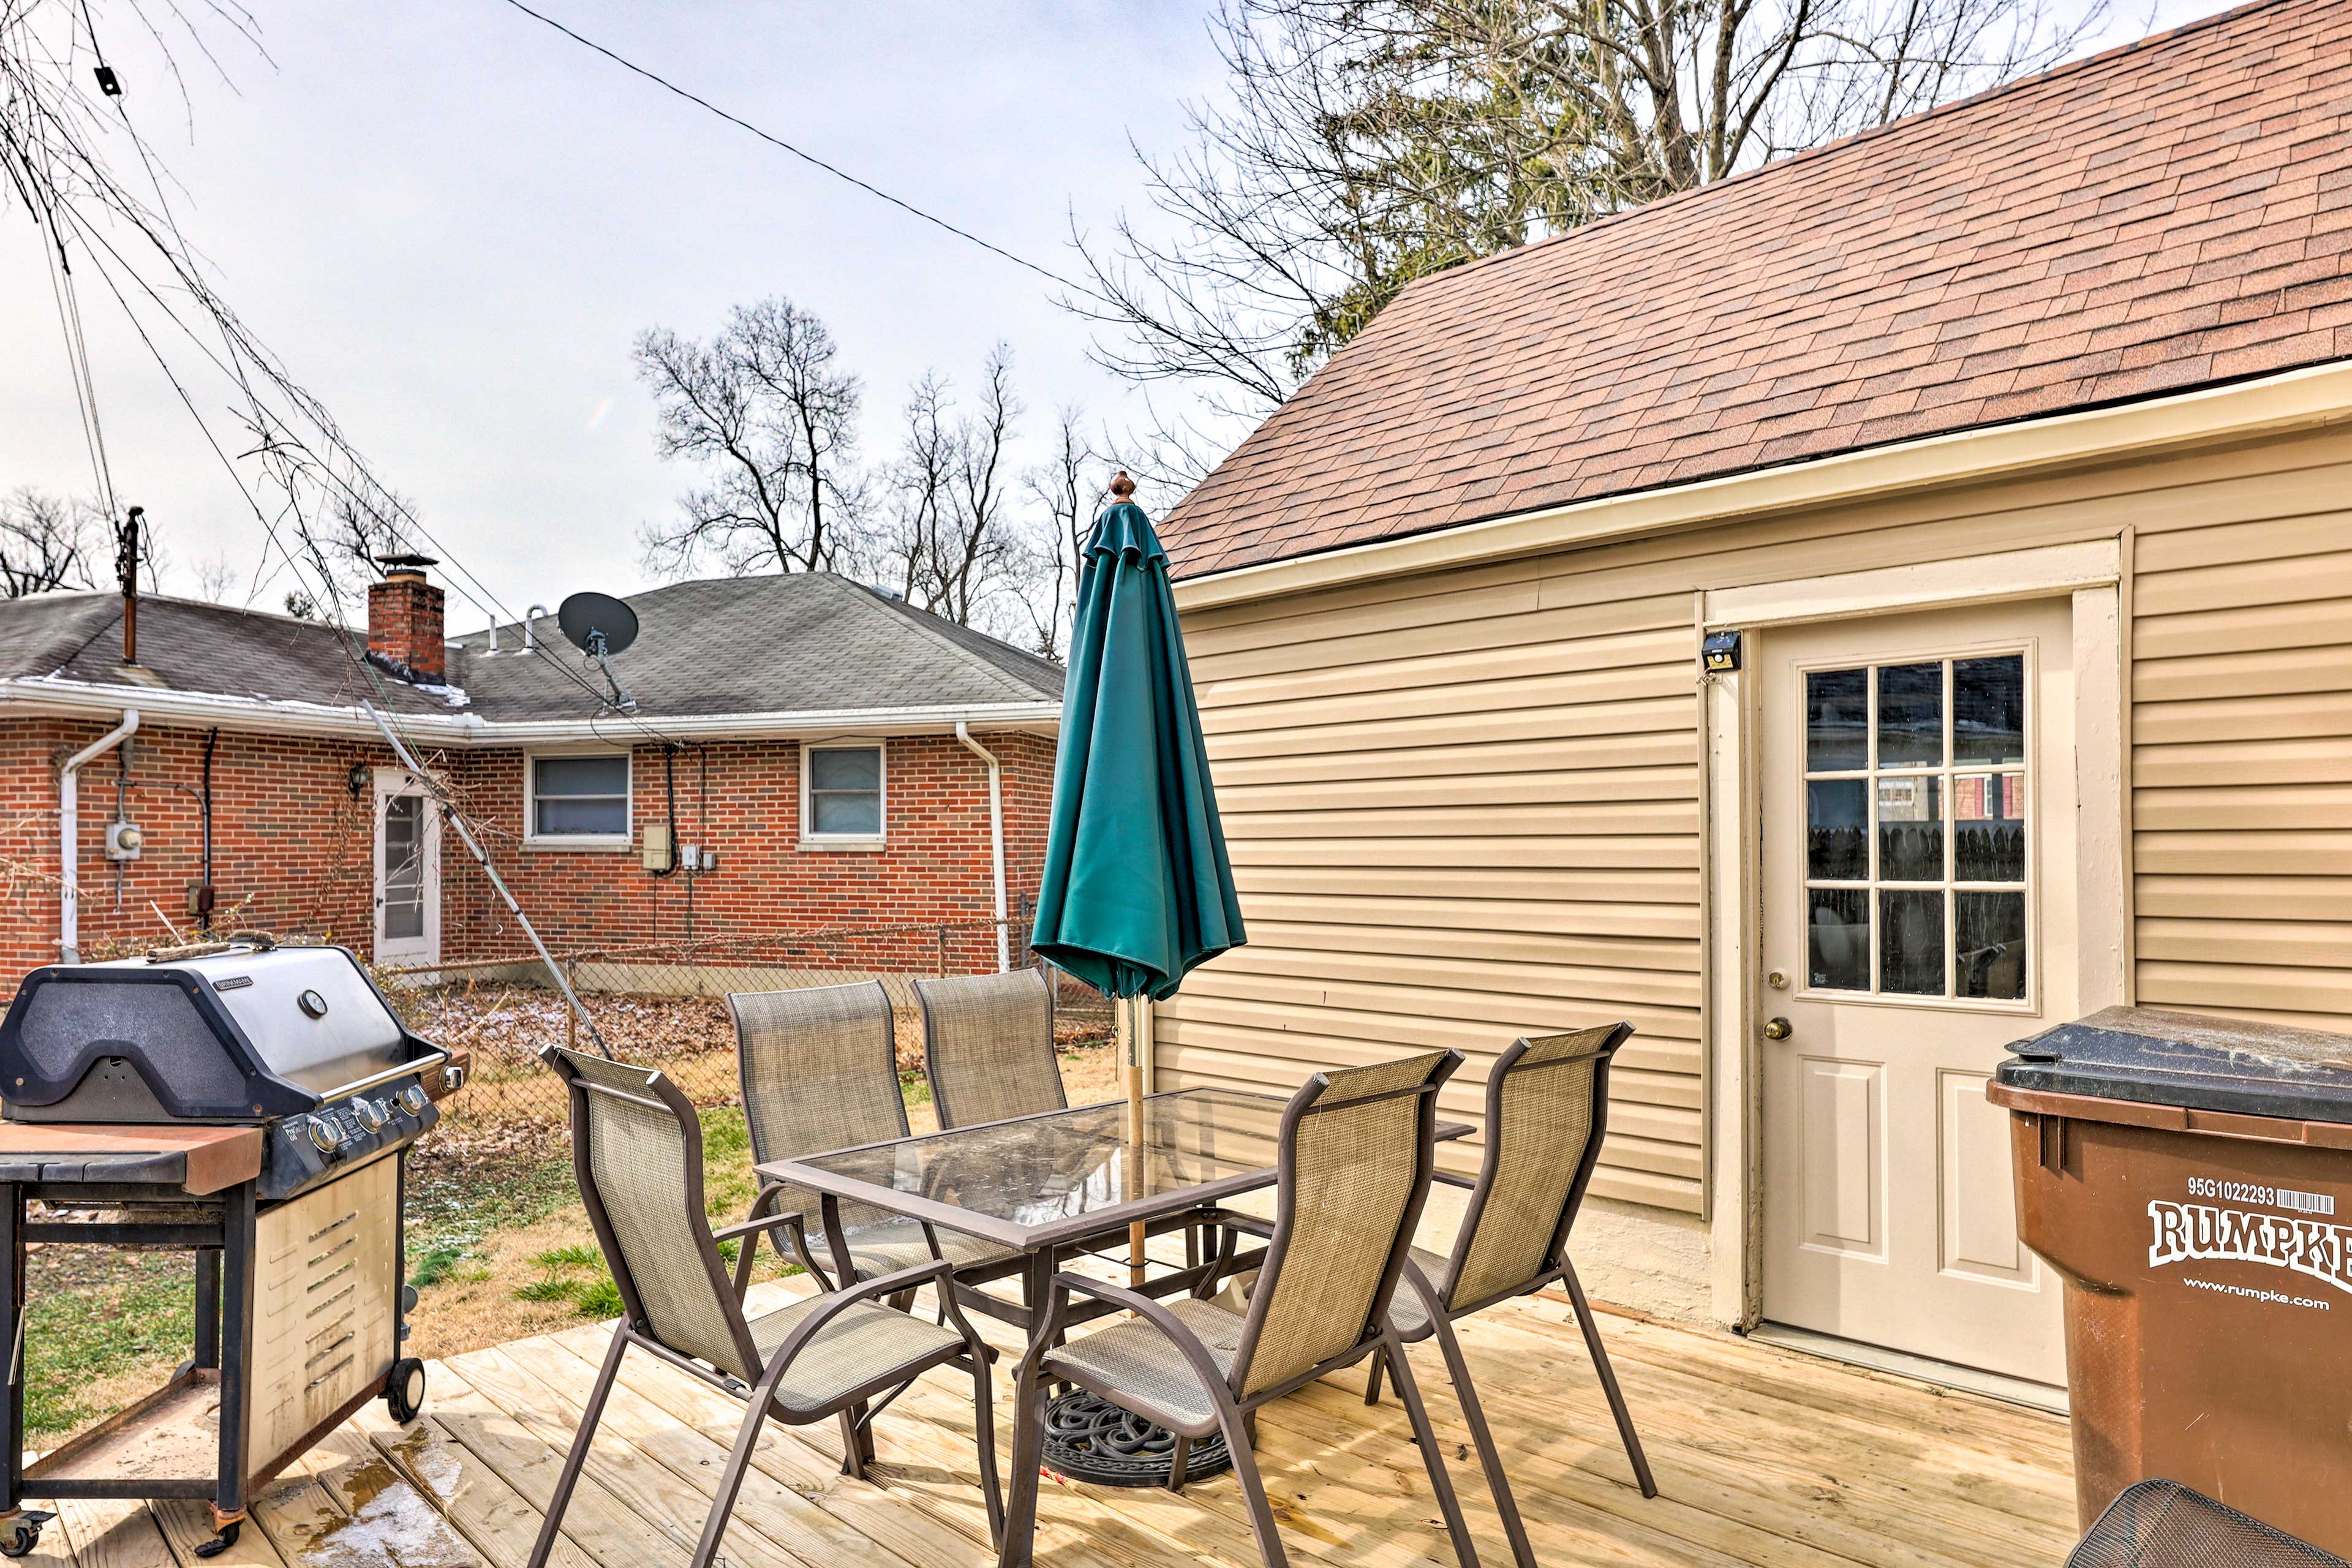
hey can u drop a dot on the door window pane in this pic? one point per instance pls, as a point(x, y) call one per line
point(1989, 710)
point(1837, 719)
point(1989, 940)
point(1837, 828)
point(404, 865)
point(1911, 943)
point(1911, 715)
point(1837, 938)
point(1988, 827)
point(1911, 830)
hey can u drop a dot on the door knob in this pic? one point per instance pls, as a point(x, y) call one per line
point(1776, 1029)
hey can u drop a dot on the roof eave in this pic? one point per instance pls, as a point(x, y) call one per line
point(2293, 400)
point(48, 695)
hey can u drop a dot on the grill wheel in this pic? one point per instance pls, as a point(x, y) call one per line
point(404, 1393)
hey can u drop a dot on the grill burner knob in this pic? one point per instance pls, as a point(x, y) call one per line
point(322, 1138)
point(414, 1097)
point(369, 1117)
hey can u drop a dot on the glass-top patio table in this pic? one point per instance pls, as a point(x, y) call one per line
point(1045, 1185)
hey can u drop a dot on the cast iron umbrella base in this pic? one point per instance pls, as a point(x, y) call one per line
point(1088, 1438)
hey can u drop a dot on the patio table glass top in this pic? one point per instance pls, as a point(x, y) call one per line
point(1038, 1180)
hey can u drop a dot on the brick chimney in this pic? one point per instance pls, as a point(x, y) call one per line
point(405, 618)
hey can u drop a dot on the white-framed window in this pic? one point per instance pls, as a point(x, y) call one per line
point(843, 790)
point(577, 800)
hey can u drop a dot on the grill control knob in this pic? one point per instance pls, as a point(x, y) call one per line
point(322, 1138)
point(414, 1097)
point(369, 1117)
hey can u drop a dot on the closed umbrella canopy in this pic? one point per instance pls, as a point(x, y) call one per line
point(1137, 889)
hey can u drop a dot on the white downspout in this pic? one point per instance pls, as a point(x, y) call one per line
point(70, 834)
point(995, 839)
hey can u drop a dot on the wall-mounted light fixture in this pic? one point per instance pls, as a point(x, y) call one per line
point(357, 779)
point(1719, 654)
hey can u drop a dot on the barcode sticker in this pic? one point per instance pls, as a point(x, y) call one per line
point(2305, 1203)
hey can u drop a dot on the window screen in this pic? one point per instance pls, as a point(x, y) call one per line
point(579, 797)
point(846, 792)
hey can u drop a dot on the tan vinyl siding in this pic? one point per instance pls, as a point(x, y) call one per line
point(2242, 688)
point(1466, 806)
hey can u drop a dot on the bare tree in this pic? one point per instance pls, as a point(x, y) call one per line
point(771, 417)
point(978, 555)
point(48, 541)
point(1066, 503)
point(920, 482)
point(1364, 143)
point(215, 579)
point(955, 545)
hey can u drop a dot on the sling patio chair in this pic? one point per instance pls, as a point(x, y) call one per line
point(637, 1151)
point(1547, 1109)
point(2157, 1523)
point(820, 1072)
point(1356, 1150)
point(988, 1045)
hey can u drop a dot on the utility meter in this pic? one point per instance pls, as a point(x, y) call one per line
point(123, 840)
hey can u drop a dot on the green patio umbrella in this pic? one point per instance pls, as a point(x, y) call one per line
point(1137, 891)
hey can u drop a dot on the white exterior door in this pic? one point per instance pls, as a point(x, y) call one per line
point(407, 871)
point(1916, 785)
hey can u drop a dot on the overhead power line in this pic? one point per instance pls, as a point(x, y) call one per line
point(805, 156)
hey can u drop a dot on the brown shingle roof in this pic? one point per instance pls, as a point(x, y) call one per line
point(2173, 212)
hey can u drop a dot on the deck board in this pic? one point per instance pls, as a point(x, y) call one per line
point(1766, 1459)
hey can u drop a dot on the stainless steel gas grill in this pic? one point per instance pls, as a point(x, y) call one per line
point(249, 1104)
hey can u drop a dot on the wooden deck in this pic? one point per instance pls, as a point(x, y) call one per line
point(1763, 1456)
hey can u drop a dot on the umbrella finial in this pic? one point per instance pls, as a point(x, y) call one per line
point(1122, 489)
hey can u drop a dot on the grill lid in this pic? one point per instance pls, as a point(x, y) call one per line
point(236, 1035)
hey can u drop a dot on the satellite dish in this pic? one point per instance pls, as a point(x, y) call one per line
point(600, 625)
point(597, 623)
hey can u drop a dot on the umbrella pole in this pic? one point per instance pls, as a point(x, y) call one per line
point(1131, 1020)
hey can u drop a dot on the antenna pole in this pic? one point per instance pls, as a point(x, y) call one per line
point(126, 570)
point(482, 859)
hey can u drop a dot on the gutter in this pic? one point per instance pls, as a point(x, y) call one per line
point(2306, 399)
point(995, 839)
point(70, 834)
point(78, 698)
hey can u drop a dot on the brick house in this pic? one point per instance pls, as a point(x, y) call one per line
point(802, 753)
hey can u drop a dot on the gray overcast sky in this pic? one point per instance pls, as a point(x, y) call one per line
point(450, 221)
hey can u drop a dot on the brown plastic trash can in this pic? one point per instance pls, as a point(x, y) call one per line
point(2190, 1178)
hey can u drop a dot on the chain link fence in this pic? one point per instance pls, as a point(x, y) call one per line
point(664, 1005)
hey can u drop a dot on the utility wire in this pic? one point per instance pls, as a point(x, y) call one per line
point(806, 157)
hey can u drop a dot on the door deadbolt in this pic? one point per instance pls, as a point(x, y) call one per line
point(1776, 1029)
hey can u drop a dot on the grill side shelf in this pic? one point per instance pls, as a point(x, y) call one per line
point(195, 1160)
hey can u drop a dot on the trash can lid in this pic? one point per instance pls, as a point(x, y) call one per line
point(2157, 1057)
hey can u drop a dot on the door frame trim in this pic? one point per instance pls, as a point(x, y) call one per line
point(2091, 572)
point(389, 782)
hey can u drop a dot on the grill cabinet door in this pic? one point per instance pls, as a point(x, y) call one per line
point(325, 1267)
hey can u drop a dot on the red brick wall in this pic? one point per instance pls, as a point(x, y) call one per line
point(742, 800)
point(291, 849)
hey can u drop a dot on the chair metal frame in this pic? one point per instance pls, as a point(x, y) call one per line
point(1439, 1314)
point(942, 1095)
point(765, 1202)
point(1235, 1413)
point(855, 1409)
